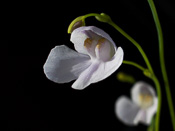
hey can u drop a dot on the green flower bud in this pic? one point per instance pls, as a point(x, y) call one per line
point(123, 77)
point(78, 22)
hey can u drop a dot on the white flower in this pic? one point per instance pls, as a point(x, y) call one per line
point(141, 108)
point(96, 58)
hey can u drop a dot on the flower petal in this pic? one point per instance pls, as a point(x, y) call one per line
point(104, 50)
point(145, 115)
point(64, 64)
point(142, 88)
point(151, 111)
point(99, 70)
point(80, 34)
point(127, 111)
point(107, 68)
point(85, 77)
point(101, 33)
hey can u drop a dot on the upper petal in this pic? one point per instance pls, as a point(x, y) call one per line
point(64, 64)
point(99, 70)
point(101, 33)
point(80, 34)
point(143, 94)
point(127, 111)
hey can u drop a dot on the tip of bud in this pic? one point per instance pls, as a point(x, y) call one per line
point(78, 22)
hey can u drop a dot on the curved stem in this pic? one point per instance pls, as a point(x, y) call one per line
point(134, 64)
point(91, 14)
point(135, 43)
point(162, 61)
point(156, 82)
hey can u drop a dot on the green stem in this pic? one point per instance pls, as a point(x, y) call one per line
point(157, 84)
point(135, 43)
point(162, 61)
point(151, 127)
point(134, 64)
point(90, 15)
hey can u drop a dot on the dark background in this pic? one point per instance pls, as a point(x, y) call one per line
point(32, 102)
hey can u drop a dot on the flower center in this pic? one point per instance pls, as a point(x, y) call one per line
point(145, 100)
point(100, 49)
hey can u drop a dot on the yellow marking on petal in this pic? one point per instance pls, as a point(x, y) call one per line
point(100, 42)
point(88, 43)
point(146, 100)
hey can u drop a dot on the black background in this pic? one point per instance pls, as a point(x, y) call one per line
point(32, 102)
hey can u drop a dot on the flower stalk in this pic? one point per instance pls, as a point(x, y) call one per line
point(162, 61)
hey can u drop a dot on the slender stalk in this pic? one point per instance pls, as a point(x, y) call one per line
point(162, 61)
point(159, 94)
point(152, 126)
point(135, 43)
point(134, 64)
point(91, 14)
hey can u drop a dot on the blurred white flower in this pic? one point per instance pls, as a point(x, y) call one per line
point(96, 58)
point(141, 107)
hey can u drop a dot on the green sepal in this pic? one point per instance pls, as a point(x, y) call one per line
point(147, 73)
